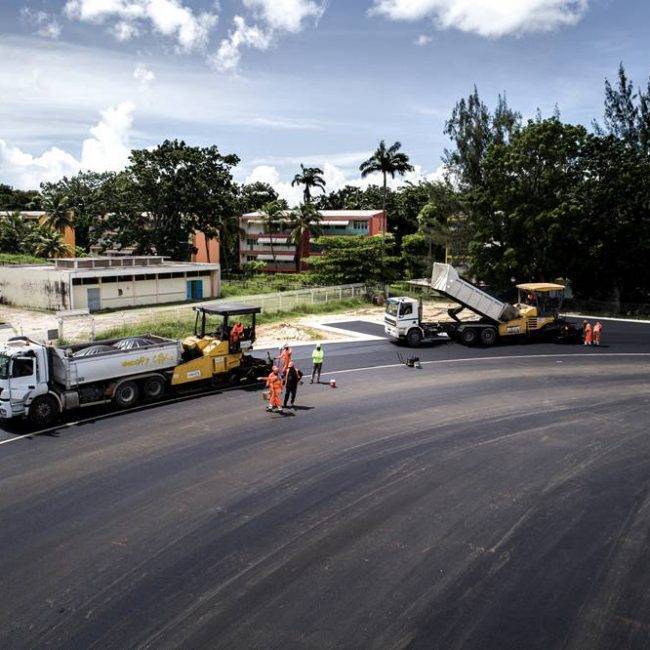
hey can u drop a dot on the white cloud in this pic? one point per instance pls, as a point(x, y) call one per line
point(190, 30)
point(492, 18)
point(244, 35)
point(423, 40)
point(275, 17)
point(286, 15)
point(143, 75)
point(46, 25)
point(106, 150)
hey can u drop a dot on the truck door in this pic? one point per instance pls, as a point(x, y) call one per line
point(22, 380)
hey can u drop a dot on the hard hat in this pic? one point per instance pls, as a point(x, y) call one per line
point(275, 369)
point(332, 383)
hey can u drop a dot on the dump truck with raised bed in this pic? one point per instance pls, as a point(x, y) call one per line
point(39, 382)
point(536, 315)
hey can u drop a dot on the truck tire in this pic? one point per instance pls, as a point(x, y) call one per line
point(414, 338)
point(43, 411)
point(153, 388)
point(126, 394)
point(469, 336)
point(488, 336)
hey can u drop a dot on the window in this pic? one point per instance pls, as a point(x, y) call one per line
point(22, 367)
point(360, 225)
point(251, 242)
point(406, 309)
point(108, 279)
point(82, 281)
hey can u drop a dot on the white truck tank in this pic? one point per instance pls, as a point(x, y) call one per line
point(72, 371)
point(445, 280)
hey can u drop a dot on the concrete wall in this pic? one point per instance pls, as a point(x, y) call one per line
point(26, 286)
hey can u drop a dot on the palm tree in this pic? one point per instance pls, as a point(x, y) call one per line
point(271, 215)
point(48, 242)
point(310, 177)
point(386, 161)
point(59, 211)
point(304, 219)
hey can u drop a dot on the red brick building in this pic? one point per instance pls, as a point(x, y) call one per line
point(257, 243)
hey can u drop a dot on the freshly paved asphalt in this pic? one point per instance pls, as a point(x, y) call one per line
point(497, 498)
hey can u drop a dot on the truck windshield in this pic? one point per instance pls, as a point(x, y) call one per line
point(4, 366)
point(391, 307)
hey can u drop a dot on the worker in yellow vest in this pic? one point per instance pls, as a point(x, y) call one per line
point(317, 357)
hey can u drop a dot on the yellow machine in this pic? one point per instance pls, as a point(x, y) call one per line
point(219, 349)
point(538, 309)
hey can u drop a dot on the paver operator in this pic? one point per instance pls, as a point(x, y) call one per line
point(317, 357)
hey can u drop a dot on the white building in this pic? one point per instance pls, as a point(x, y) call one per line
point(97, 283)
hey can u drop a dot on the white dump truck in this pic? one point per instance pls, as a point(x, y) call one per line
point(535, 316)
point(39, 381)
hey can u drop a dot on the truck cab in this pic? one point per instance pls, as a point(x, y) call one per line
point(24, 377)
point(403, 322)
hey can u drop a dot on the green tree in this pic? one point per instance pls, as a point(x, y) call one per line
point(627, 112)
point(355, 259)
point(272, 215)
point(414, 255)
point(44, 240)
point(388, 162)
point(13, 233)
point(253, 196)
point(310, 178)
point(14, 199)
point(86, 196)
point(58, 210)
point(304, 219)
point(182, 189)
point(522, 215)
point(473, 128)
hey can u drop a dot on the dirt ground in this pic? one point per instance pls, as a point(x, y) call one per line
point(36, 324)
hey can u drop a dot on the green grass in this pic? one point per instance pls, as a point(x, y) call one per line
point(264, 283)
point(19, 258)
point(178, 329)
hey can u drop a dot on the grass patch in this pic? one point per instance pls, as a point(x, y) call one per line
point(264, 283)
point(178, 329)
point(20, 258)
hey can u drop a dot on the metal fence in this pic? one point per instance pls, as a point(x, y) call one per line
point(86, 327)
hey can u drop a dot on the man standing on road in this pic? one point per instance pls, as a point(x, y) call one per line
point(291, 380)
point(274, 386)
point(317, 357)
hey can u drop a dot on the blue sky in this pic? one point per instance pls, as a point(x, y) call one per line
point(284, 81)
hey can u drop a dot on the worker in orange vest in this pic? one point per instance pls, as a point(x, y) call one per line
point(588, 330)
point(236, 333)
point(274, 386)
point(598, 328)
point(285, 359)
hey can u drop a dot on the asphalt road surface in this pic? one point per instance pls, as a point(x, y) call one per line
point(494, 499)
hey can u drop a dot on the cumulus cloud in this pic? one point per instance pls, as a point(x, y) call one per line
point(106, 150)
point(273, 17)
point(45, 24)
point(423, 40)
point(228, 55)
point(171, 18)
point(491, 18)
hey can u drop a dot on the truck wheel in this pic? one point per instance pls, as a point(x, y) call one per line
point(414, 338)
point(154, 388)
point(43, 411)
point(126, 394)
point(488, 336)
point(469, 336)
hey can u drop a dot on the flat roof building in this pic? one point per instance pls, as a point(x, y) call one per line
point(97, 283)
point(279, 253)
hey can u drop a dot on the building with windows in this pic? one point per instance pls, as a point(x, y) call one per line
point(97, 283)
point(273, 246)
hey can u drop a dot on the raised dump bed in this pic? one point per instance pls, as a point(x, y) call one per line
point(445, 280)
